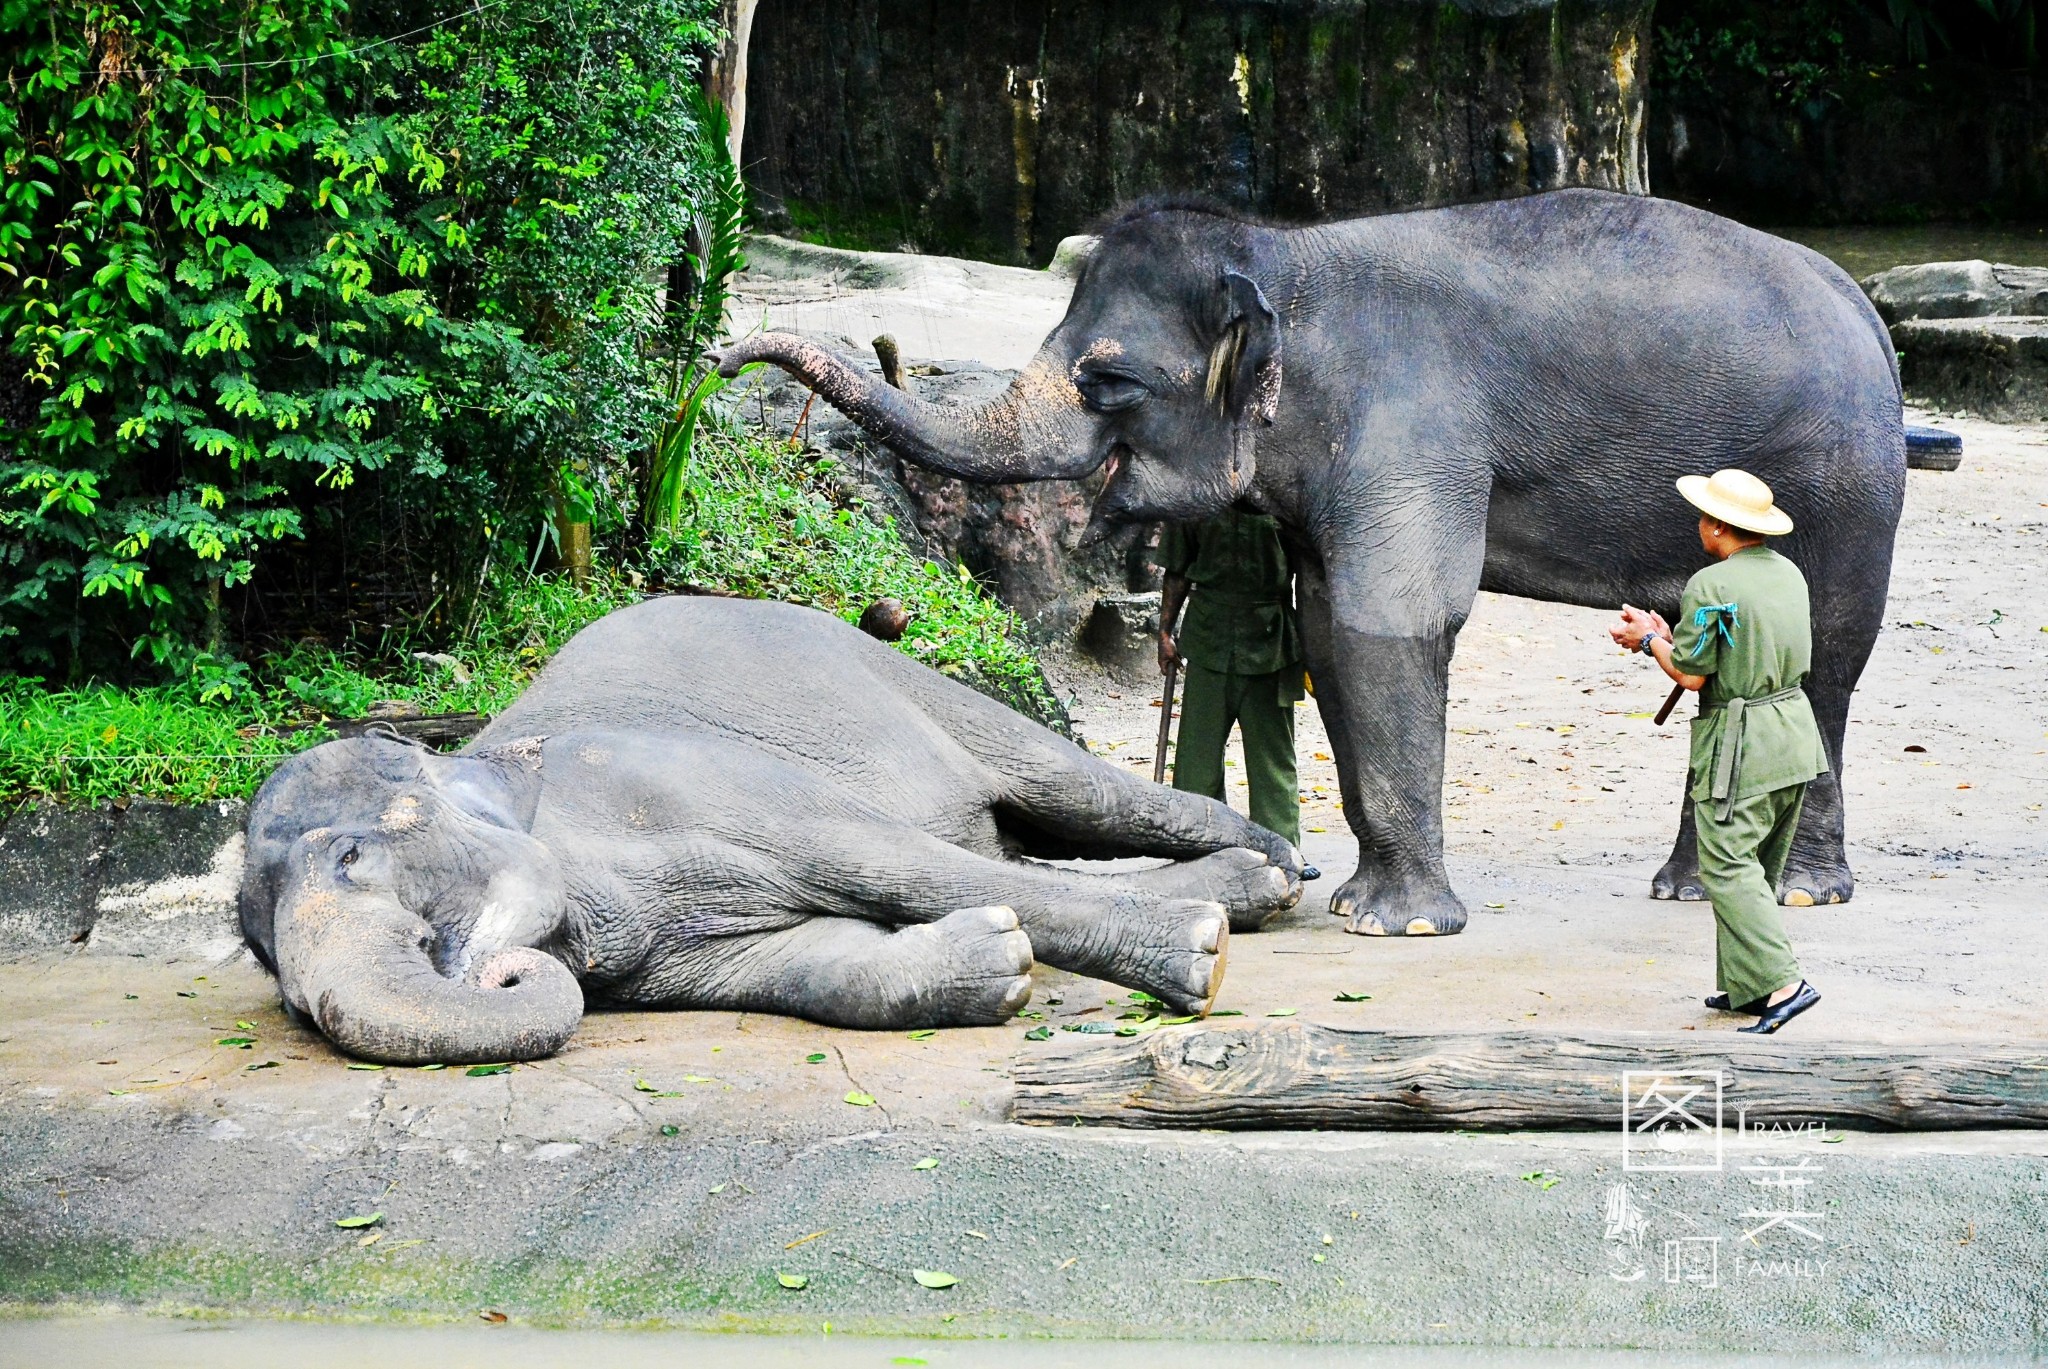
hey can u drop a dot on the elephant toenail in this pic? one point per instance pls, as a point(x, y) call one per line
point(1421, 926)
point(1798, 898)
point(1369, 925)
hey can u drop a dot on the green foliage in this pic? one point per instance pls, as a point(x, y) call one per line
point(756, 521)
point(270, 261)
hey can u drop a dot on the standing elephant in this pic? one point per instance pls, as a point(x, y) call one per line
point(1491, 396)
point(718, 803)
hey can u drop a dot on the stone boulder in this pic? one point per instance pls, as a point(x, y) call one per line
point(1958, 289)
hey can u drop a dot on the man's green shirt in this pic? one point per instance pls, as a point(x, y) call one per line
point(1745, 624)
point(1240, 614)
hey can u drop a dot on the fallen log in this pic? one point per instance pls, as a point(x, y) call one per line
point(1297, 1076)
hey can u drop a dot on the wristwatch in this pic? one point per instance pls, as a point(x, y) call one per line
point(1645, 647)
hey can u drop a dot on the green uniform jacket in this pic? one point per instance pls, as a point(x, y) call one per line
point(1240, 615)
point(1744, 623)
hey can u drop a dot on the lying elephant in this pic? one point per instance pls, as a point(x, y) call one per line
point(1491, 396)
point(717, 803)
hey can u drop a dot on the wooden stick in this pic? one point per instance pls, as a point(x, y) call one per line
point(1165, 722)
point(1670, 702)
point(1296, 1075)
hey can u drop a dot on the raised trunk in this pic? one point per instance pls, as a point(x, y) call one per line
point(1035, 430)
point(359, 968)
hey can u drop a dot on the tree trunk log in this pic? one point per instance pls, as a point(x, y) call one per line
point(1294, 1076)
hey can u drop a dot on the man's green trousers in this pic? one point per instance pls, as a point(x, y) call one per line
point(1741, 859)
point(1264, 713)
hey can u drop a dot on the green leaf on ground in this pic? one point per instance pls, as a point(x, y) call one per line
point(1176, 1021)
point(1348, 997)
point(187, 993)
point(480, 1071)
point(1834, 1140)
point(238, 1042)
point(437, 1065)
point(698, 1079)
point(815, 1058)
point(717, 1189)
point(861, 1100)
point(363, 1065)
point(671, 1130)
point(933, 1278)
point(923, 1034)
point(245, 1026)
point(1542, 1180)
point(355, 1223)
point(1039, 1034)
point(1496, 905)
point(1281, 1012)
point(1228, 1012)
point(1140, 996)
point(644, 1087)
point(928, 1162)
point(262, 1065)
point(795, 1283)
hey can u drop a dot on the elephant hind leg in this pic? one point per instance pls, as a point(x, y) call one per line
point(970, 968)
point(1244, 881)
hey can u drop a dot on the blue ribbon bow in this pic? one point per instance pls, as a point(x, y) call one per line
point(1726, 617)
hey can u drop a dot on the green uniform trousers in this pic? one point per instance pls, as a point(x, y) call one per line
point(1258, 704)
point(1741, 860)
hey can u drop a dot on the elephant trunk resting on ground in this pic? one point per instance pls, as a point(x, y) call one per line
point(1491, 396)
point(717, 803)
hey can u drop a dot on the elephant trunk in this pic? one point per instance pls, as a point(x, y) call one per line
point(1035, 430)
point(358, 965)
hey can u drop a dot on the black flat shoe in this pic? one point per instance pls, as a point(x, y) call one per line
point(1719, 1003)
point(1804, 997)
point(1309, 872)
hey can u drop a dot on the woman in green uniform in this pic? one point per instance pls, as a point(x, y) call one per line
point(1745, 641)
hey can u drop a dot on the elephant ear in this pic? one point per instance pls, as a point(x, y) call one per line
point(1244, 363)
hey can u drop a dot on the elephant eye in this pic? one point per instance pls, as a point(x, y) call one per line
point(348, 857)
point(1108, 393)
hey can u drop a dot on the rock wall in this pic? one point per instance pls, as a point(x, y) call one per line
point(993, 128)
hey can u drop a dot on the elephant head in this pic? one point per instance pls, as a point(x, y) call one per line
point(400, 899)
point(1166, 363)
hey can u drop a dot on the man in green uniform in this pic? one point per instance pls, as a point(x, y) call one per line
point(1745, 642)
point(1243, 657)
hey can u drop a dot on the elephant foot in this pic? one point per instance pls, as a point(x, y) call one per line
point(1182, 966)
point(1397, 911)
point(1249, 885)
point(1679, 880)
point(981, 968)
point(1805, 886)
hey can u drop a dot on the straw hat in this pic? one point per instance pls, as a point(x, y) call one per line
point(1738, 499)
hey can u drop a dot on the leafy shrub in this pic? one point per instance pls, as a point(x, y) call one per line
point(379, 280)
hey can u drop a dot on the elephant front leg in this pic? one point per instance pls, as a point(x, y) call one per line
point(1388, 734)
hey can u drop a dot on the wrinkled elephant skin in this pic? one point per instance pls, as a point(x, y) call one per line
point(1490, 396)
point(716, 803)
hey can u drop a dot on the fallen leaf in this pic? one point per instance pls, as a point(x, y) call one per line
point(928, 1162)
point(245, 1026)
point(187, 993)
point(671, 1130)
point(479, 1071)
point(1353, 997)
point(1039, 1034)
point(923, 1034)
point(249, 1042)
point(1831, 1140)
point(354, 1223)
point(796, 1283)
point(908, 1359)
point(644, 1087)
point(1281, 1012)
point(1088, 1028)
point(435, 1066)
point(815, 1058)
point(366, 1065)
point(371, 1239)
point(263, 1065)
point(1496, 905)
point(1322, 755)
point(717, 1188)
point(1557, 826)
point(861, 1100)
point(698, 1079)
point(1962, 786)
point(1228, 1012)
point(1140, 996)
point(805, 1240)
point(494, 1318)
point(1175, 1021)
point(1542, 1180)
point(933, 1278)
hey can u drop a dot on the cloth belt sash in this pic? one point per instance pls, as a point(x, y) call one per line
point(1728, 762)
point(1217, 596)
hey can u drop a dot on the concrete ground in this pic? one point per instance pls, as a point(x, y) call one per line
point(666, 1169)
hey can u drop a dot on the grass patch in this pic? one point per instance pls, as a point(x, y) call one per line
point(755, 521)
